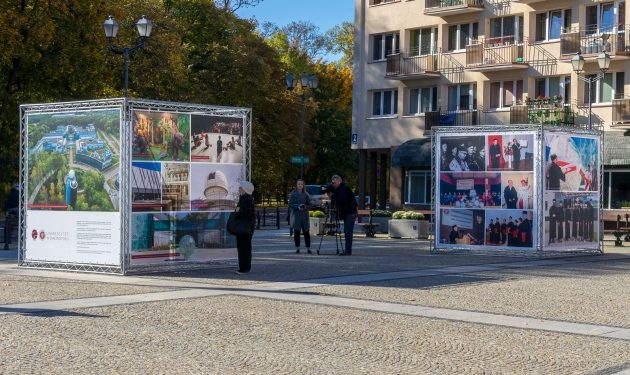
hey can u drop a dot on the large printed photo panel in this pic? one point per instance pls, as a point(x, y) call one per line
point(74, 160)
point(571, 162)
point(510, 152)
point(461, 227)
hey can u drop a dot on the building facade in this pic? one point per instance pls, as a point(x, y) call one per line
point(425, 63)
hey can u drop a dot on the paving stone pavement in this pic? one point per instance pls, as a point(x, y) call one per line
point(391, 308)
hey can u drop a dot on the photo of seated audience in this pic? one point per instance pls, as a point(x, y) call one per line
point(470, 190)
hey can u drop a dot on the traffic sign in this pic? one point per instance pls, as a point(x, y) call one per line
point(298, 160)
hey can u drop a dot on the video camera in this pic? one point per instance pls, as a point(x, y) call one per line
point(328, 188)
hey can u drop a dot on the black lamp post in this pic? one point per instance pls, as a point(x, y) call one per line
point(306, 81)
point(603, 61)
point(143, 25)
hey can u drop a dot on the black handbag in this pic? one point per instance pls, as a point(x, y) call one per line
point(238, 227)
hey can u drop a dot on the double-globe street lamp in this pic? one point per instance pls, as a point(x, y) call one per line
point(144, 27)
point(306, 81)
point(603, 61)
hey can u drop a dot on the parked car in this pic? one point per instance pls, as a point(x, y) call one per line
point(318, 199)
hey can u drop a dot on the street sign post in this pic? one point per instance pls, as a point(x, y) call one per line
point(299, 160)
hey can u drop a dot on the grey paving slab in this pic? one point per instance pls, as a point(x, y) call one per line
point(233, 334)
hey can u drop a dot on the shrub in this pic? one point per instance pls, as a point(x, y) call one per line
point(316, 213)
point(381, 213)
point(407, 215)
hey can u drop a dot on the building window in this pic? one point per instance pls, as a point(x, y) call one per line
point(377, 2)
point(459, 36)
point(505, 94)
point(605, 89)
point(600, 18)
point(549, 25)
point(418, 187)
point(462, 97)
point(510, 28)
point(384, 102)
point(554, 86)
point(384, 45)
point(422, 100)
point(423, 41)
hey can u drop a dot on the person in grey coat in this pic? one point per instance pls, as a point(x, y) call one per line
point(300, 203)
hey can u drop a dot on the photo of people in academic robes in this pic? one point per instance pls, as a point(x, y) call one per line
point(571, 220)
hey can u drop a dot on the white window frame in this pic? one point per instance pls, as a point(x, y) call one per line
point(432, 92)
point(395, 41)
point(471, 92)
point(517, 27)
point(427, 185)
point(598, 89)
point(432, 43)
point(471, 38)
point(515, 99)
point(599, 6)
point(561, 87)
point(393, 103)
point(546, 38)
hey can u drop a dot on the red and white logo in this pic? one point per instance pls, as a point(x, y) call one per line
point(34, 234)
point(42, 235)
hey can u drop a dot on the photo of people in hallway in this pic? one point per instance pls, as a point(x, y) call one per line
point(160, 136)
point(571, 219)
point(512, 228)
point(216, 139)
point(510, 152)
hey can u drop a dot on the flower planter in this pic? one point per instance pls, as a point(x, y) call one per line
point(383, 223)
point(405, 228)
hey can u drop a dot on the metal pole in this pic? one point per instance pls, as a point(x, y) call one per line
point(590, 106)
point(302, 139)
point(126, 55)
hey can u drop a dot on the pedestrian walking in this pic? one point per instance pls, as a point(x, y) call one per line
point(245, 211)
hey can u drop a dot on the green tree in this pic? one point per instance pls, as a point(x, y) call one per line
point(340, 39)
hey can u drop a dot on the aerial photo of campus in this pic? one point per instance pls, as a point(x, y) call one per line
point(73, 160)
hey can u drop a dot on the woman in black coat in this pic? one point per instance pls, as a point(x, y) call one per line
point(245, 211)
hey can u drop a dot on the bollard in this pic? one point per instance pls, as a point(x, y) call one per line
point(277, 217)
point(627, 239)
point(618, 233)
point(264, 217)
point(258, 219)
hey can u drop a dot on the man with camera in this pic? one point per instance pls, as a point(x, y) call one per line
point(343, 198)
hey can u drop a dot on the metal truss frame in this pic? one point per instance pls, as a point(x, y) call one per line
point(127, 106)
point(538, 174)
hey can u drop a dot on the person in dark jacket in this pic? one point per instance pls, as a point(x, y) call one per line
point(300, 203)
point(343, 199)
point(245, 211)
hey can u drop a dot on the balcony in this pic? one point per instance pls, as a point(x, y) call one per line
point(493, 54)
point(614, 40)
point(454, 117)
point(621, 113)
point(443, 8)
point(545, 114)
point(405, 65)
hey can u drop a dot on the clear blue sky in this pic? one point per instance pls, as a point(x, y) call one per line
point(323, 13)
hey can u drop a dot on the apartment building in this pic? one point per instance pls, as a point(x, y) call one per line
point(425, 63)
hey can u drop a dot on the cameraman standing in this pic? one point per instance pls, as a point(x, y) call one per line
point(343, 198)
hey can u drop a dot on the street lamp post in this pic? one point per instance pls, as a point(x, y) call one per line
point(309, 81)
point(144, 27)
point(603, 61)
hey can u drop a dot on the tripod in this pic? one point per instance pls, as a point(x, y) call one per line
point(331, 227)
